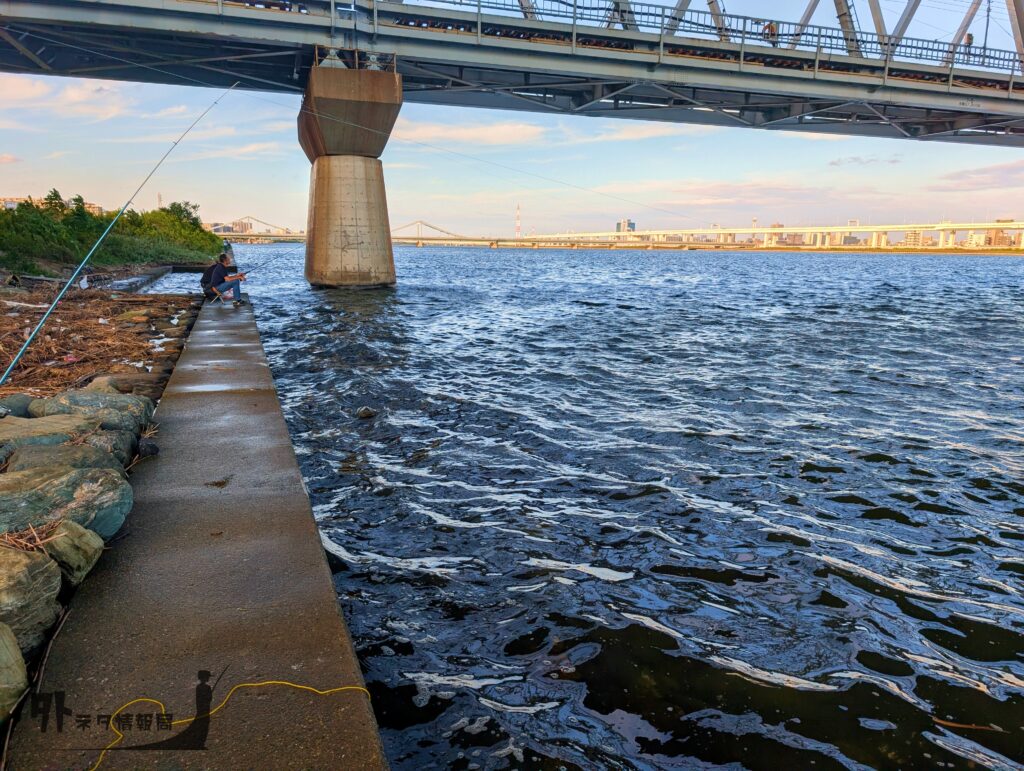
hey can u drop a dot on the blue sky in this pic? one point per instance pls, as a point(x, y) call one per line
point(99, 138)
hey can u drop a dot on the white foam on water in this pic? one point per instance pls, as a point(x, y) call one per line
point(526, 710)
point(605, 574)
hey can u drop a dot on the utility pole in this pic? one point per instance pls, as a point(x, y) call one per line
point(519, 224)
point(988, 19)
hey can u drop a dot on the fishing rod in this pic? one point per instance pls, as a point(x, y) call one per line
point(271, 259)
point(220, 297)
point(85, 260)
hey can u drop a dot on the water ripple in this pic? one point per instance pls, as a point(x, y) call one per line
point(693, 510)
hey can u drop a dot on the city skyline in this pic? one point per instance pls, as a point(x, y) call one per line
point(466, 170)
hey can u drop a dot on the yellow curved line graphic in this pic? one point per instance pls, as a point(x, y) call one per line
point(215, 710)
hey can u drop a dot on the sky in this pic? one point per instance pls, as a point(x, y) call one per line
point(467, 169)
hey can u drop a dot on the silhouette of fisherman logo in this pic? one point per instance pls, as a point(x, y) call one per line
point(194, 735)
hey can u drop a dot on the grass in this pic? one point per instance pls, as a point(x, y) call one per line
point(44, 236)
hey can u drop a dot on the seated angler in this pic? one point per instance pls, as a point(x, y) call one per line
point(215, 282)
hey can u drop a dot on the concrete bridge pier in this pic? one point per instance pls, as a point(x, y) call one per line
point(346, 119)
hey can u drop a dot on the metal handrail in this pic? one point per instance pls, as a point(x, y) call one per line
point(741, 30)
point(613, 16)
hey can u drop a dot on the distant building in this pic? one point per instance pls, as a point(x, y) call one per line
point(625, 226)
point(976, 240)
point(12, 203)
point(773, 239)
point(999, 237)
point(912, 239)
point(241, 226)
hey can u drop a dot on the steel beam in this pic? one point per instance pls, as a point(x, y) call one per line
point(1016, 9)
point(719, 18)
point(22, 49)
point(879, 19)
point(901, 26)
point(621, 12)
point(812, 6)
point(527, 6)
point(845, 17)
point(961, 31)
point(682, 6)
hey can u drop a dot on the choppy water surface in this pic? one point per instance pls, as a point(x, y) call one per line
point(682, 510)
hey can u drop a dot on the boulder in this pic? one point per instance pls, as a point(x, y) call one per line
point(148, 384)
point(16, 405)
point(55, 429)
point(75, 550)
point(139, 407)
point(110, 419)
point(120, 444)
point(29, 582)
point(13, 676)
point(96, 498)
point(73, 455)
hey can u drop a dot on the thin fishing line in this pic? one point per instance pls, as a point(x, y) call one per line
point(386, 134)
point(95, 246)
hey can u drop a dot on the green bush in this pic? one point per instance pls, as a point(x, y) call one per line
point(54, 231)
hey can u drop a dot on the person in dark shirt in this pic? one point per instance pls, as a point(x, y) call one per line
point(215, 281)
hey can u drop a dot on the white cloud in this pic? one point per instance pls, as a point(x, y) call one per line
point(17, 90)
point(8, 158)
point(56, 154)
point(279, 125)
point(984, 179)
point(197, 134)
point(88, 99)
point(634, 131)
point(168, 112)
point(78, 99)
point(492, 134)
point(240, 152)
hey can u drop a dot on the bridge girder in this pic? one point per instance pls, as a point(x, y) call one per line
point(583, 71)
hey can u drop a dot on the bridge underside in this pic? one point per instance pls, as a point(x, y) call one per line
point(456, 58)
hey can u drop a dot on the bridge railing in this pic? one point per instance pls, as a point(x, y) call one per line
point(614, 15)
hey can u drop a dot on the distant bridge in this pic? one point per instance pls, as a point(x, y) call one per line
point(799, 236)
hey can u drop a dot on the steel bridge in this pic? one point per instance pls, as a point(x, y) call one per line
point(613, 58)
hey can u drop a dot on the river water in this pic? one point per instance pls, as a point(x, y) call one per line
point(670, 510)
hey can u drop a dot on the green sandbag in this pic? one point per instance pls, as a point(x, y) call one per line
point(73, 455)
point(16, 405)
point(120, 444)
point(13, 677)
point(116, 411)
point(56, 429)
point(75, 550)
point(29, 583)
point(98, 499)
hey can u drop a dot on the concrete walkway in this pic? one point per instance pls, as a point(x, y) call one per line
point(221, 570)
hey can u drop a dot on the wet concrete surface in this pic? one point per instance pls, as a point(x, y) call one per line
point(220, 569)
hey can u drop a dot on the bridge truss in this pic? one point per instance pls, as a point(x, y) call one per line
point(611, 58)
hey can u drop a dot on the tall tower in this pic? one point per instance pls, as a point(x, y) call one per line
point(519, 224)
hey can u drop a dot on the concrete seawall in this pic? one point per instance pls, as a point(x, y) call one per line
point(221, 570)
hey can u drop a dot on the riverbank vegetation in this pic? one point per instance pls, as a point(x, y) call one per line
point(43, 237)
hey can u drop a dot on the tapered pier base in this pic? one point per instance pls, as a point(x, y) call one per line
point(348, 237)
point(346, 119)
